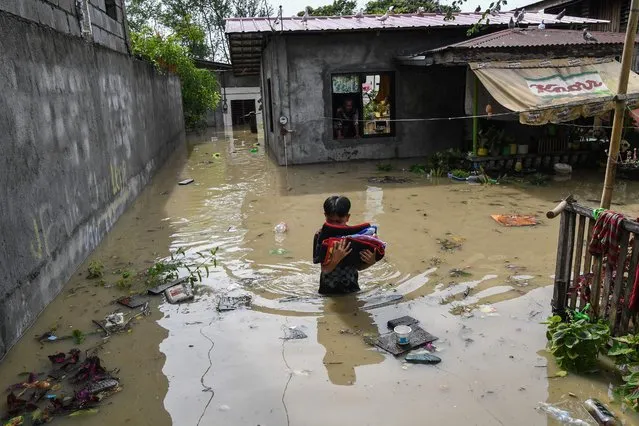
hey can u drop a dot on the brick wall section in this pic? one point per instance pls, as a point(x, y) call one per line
point(58, 14)
point(62, 16)
point(106, 30)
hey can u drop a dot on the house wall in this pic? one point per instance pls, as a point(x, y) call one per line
point(70, 17)
point(235, 87)
point(300, 68)
point(83, 129)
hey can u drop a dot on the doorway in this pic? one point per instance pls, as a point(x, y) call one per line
point(240, 111)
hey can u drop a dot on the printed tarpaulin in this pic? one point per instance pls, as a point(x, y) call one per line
point(556, 90)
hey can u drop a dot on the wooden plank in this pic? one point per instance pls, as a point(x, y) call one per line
point(570, 249)
point(588, 256)
point(628, 225)
point(625, 313)
point(617, 288)
point(579, 246)
point(560, 288)
point(595, 290)
point(605, 292)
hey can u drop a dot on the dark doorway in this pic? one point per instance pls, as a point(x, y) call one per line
point(241, 111)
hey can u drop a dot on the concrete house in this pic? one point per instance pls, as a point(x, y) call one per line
point(334, 90)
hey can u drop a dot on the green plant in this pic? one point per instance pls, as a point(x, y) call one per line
point(78, 336)
point(419, 169)
point(629, 391)
point(167, 270)
point(576, 344)
point(96, 269)
point(200, 91)
point(538, 179)
point(384, 167)
point(437, 173)
point(458, 173)
point(625, 350)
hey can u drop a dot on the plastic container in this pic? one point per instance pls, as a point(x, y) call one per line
point(600, 413)
point(522, 149)
point(562, 168)
point(403, 334)
point(179, 293)
point(513, 148)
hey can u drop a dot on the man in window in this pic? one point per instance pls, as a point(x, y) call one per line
point(347, 121)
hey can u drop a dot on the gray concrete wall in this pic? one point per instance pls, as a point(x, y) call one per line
point(300, 67)
point(83, 128)
point(66, 17)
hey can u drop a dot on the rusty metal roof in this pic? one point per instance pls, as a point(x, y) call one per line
point(397, 21)
point(534, 37)
point(520, 43)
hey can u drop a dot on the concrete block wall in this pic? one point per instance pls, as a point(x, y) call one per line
point(83, 128)
point(108, 31)
point(58, 14)
point(64, 16)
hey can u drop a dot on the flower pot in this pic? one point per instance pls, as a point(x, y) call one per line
point(482, 152)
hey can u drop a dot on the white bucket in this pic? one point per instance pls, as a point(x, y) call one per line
point(522, 149)
point(403, 334)
point(563, 168)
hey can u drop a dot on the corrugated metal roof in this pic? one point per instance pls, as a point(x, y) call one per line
point(397, 21)
point(534, 37)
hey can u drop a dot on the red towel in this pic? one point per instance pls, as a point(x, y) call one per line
point(605, 237)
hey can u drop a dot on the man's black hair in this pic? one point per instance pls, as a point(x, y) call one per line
point(337, 205)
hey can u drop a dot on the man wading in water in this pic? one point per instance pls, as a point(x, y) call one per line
point(335, 277)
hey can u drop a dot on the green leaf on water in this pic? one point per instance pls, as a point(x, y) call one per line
point(562, 373)
point(84, 412)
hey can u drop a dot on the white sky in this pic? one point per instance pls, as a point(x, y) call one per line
point(291, 7)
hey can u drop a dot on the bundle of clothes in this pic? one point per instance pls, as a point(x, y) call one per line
point(605, 243)
point(361, 237)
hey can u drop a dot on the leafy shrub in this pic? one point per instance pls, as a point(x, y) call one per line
point(625, 350)
point(95, 269)
point(458, 173)
point(200, 91)
point(576, 344)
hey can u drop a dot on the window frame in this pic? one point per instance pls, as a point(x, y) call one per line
point(111, 9)
point(362, 79)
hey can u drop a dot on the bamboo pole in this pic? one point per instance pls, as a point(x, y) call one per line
point(475, 111)
point(620, 105)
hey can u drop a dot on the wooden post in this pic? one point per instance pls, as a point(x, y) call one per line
point(620, 105)
point(475, 113)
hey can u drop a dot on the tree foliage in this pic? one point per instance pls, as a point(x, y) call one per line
point(337, 8)
point(200, 90)
point(208, 15)
point(406, 6)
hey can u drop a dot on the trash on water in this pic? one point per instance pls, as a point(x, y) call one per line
point(186, 181)
point(132, 302)
point(224, 407)
point(417, 338)
point(162, 287)
point(114, 320)
point(216, 155)
point(422, 357)
point(230, 303)
point(278, 252)
point(403, 333)
point(512, 220)
point(489, 310)
point(280, 228)
point(405, 320)
point(179, 293)
point(600, 412)
point(293, 333)
point(560, 415)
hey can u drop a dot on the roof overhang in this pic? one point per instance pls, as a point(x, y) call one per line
point(509, 45)
point(246, 52)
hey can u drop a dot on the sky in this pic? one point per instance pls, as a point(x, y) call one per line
point(291, 7)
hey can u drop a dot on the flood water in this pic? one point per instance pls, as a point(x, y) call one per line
point(190, 364)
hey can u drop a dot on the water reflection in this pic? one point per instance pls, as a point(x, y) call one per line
point(341, 330)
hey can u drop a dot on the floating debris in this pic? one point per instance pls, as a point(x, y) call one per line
point(280, 228)
point(179, 293)
point(515, 220)
point(388, 179)
point(293, 333)
point(230, 303)
point(162, 287)
point(186, 181)
point(422, 358)
point(278, 252)
point(418, 337)
point(405, 320)
point(133, 302)
point(459, 273)
point(450, 244)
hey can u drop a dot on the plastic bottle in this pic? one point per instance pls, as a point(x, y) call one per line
point(280, 228)
point(560, 415)
point(602, 415)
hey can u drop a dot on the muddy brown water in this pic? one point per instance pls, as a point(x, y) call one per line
point(494, 370)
